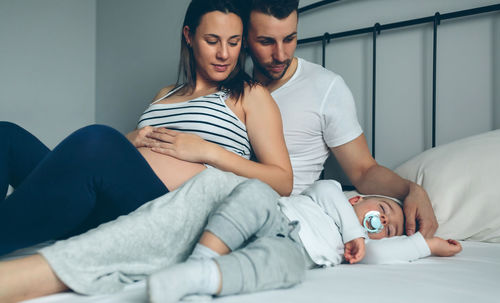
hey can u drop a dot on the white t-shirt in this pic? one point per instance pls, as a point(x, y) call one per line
point(318, 112)
point(328, 221)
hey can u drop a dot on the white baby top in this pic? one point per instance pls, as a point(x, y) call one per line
point(328, 221)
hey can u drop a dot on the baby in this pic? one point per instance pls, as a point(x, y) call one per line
point(250, 245)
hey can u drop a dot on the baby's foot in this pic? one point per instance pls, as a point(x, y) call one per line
point(192, 277)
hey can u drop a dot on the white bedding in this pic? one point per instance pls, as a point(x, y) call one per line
point(471, 276)
point(462, 180)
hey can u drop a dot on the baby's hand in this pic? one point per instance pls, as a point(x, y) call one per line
point(443, 248)
point(354, 250)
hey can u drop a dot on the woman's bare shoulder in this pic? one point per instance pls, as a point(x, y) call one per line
point(256, 92)
point(164, 91)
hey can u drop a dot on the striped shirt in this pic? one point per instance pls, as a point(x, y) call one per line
point(208, 117)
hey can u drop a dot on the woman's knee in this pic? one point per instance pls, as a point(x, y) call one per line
point(7, 128)
point(96, 132)
point(95, 139)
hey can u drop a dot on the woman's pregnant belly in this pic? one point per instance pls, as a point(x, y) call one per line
point(171, 171)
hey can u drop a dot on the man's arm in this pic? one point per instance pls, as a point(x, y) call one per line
point(370, 178)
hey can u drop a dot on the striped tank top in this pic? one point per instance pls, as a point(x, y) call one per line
point(208, 117)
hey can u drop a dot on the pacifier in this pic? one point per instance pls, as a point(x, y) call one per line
point(372, 222)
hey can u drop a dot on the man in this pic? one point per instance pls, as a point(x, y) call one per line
point(319, 115)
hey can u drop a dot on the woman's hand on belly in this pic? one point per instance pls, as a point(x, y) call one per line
point(171, 171)
point(139, 138)
point(183, 146)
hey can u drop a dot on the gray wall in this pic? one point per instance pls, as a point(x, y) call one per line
point(138, 46)
point(47, 65)
point(468, 68)
point(65, 64)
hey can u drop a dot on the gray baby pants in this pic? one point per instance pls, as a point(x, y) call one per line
point(266, 250)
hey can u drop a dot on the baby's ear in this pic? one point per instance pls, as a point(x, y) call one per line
point(354, 200)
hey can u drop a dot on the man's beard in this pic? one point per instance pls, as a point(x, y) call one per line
point(271, 77)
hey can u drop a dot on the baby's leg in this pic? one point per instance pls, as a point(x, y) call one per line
point(267, 263)
point(26, 278)
point(249, 211)
point(273, 260)
point(193, 277)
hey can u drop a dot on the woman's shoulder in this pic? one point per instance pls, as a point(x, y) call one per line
point(257, 97)
point(164, 91)
point(256, 91)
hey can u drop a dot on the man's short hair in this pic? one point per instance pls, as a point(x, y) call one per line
point(279, 9)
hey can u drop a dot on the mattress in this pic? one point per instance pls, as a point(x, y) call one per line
point(472, 275)
point(466, 206)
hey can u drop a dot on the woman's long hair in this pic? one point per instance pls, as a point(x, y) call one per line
point(234, 84)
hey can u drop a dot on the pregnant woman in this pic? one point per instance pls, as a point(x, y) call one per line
point(216, 117)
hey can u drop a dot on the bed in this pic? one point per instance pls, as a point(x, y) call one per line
point(461, 179)
point(473, 275)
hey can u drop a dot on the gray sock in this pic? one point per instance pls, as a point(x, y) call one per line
point(191, 277)
point(201, 252)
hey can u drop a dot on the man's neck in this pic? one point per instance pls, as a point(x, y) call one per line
point(273, 85)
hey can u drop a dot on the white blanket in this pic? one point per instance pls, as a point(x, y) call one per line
point(471, 276)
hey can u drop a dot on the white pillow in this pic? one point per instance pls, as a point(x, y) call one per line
point(462, 179)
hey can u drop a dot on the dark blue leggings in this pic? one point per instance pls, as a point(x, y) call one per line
point(91, 177)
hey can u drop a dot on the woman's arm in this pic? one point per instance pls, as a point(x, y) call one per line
point(265, 131)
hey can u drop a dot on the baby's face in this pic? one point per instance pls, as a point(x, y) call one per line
point(391, 215)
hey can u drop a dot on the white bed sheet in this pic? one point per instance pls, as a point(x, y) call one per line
point(471, 276)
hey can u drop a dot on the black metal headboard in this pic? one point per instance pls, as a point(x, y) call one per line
point(376, 29)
